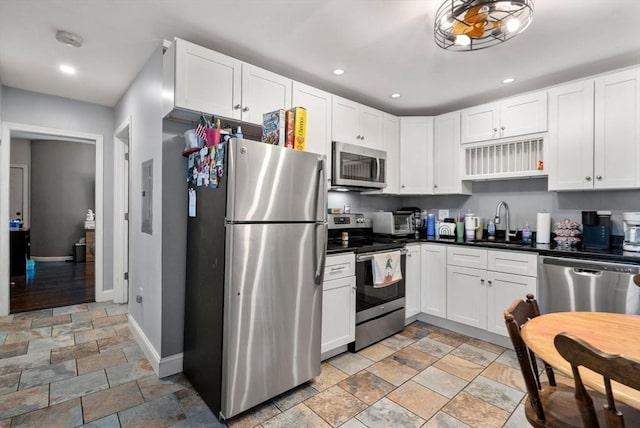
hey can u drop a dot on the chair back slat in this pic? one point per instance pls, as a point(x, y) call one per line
point(518, 313)
point(612, 367)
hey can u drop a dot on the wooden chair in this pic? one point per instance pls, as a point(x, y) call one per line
point(611, 367)
point(549, 405)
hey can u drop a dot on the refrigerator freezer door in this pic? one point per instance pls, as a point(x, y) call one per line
point(273, 311)
point(271, 183)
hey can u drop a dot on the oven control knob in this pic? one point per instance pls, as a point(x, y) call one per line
point(382, 308)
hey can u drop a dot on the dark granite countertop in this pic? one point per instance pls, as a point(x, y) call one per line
point(613, 254)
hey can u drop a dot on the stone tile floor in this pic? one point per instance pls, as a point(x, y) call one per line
point(80, 366)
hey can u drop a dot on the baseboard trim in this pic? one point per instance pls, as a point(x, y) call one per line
point(163, 367)
point(51, 259)
point(466, 330)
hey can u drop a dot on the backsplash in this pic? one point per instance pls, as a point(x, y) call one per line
point(525, 199)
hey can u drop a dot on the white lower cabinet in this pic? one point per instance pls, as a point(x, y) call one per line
point(467, 295)
point(478, 295)
point(433, 292)
point(502, 290)
point(338, 302)
point(412, 278)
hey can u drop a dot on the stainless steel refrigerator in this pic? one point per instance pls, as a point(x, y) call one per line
point(255, 265)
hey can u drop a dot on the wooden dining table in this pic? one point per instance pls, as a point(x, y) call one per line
point(611, 333)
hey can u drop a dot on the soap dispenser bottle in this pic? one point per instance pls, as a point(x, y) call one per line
point(491, 230)
point(526, 233)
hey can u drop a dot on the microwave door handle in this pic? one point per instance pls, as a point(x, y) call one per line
point(377, 170)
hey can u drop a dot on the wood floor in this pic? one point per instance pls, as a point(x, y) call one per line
point(53, 284)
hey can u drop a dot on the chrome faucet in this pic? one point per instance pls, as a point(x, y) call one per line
point(496, 220)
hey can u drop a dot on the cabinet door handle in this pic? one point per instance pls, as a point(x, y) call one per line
point(245, 109)
point(490, 282)
point(588, 178)
point(402, 186)
point(363, 137)
point(495, 129)
point(502, 127)
point(435, 186)
point(237, 107)
point(481, 280)
point(599, 177)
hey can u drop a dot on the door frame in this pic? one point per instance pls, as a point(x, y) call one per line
point(121, 206)
point(5, 156)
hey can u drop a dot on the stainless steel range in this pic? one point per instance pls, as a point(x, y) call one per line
point(380, 312)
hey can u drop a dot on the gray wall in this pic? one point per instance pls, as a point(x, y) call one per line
point(62, 190)
point(49, 111)
point(21, 152)
point(1, 102)
point(143, 104)
point(525, 197)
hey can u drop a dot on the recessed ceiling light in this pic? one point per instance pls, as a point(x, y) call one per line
point(396, 95)
point(509, 80)
point(338, 72)
point(67, 69)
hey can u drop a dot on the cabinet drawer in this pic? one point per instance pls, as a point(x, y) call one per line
point(466, 257)
point(513, 262)
point(340, 266)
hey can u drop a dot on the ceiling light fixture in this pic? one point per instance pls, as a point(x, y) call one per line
point(68, 38)
point(67, 69)
point(469, 25)
point(396, 95)
point(509, 80)
point(338, 72)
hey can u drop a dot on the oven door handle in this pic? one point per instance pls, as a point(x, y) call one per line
point(369, 256)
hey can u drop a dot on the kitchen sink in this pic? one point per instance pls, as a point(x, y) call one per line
point(503, 244)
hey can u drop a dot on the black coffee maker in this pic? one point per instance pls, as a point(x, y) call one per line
point(596, 230)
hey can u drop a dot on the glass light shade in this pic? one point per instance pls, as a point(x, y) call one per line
point(483, 23)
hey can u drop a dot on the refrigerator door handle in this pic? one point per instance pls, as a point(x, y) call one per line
point(321, 204)
point(320, 254)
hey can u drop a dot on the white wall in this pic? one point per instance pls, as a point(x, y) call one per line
point(49, 111)
point(143, 103)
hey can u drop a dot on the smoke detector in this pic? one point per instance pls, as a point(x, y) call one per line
point(69, 38)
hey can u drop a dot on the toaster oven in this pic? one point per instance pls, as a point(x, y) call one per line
point(396, 223)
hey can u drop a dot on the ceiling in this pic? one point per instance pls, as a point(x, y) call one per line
point(385, 46)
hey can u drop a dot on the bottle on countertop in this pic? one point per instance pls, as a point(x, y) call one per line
point(526, 233)
point(239, 132)
point(491, 231)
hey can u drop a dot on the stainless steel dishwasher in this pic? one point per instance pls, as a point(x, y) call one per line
point(582, 285)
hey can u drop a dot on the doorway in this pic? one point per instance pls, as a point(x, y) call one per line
point(121, 140)
point(16, 130)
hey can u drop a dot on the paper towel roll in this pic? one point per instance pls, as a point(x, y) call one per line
point(543, 228)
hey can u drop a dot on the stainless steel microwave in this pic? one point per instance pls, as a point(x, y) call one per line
point(358, 168)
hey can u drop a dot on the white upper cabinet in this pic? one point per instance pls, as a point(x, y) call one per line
point(521, 115)
point(318, 106)
point(356, 123)
point(200, 80)
point(416, 155)
point(204, 81)
point(617, 130)
point(447, 156)
point(391, 145)
point(262, 92)
point(594, 133)
point(570, 156)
